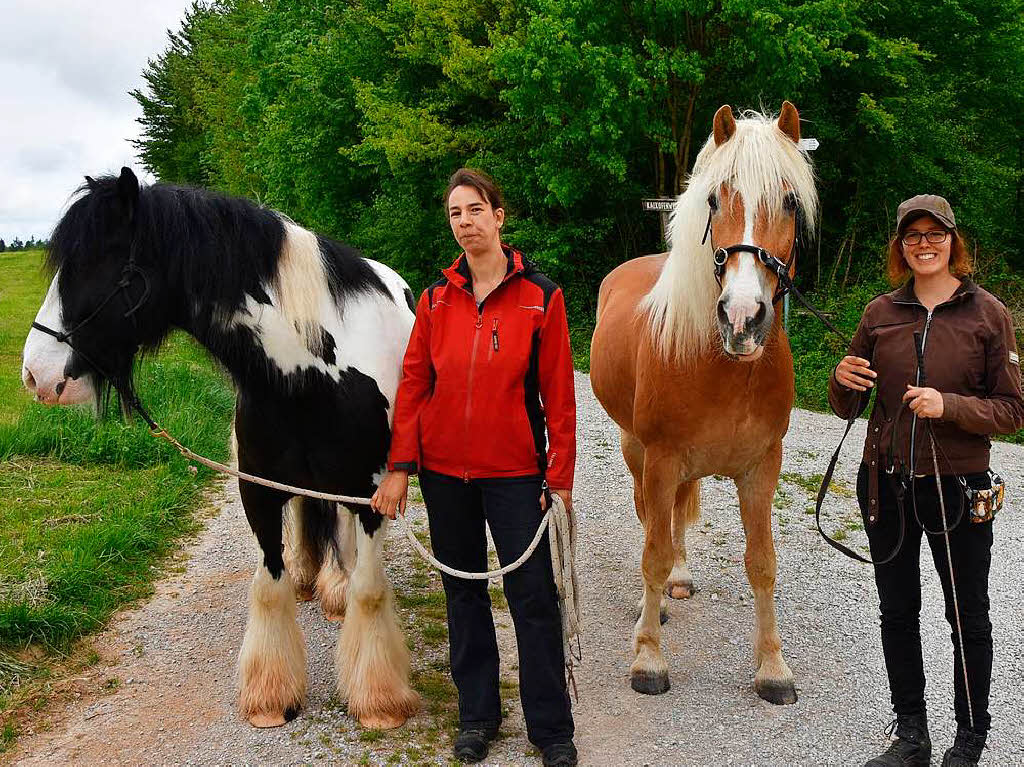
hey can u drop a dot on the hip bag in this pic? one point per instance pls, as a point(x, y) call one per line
point(985, 503)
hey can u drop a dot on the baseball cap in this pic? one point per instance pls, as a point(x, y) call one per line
point(932, 204)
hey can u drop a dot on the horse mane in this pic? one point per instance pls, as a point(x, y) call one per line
point(219, 249)
point(762, 164)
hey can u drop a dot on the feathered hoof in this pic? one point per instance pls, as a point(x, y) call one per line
point(650, 682)
point(265, 719)
point(382, 721)
point(335, 617)
point(681, 590)
point(304, 593)
point(779, 693)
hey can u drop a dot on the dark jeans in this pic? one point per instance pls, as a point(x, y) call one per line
point(899, 591)
point(457, 511)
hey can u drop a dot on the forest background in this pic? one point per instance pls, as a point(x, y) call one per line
point(350, 116)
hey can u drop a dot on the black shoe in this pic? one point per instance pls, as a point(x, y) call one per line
point(912, 747)
point(559, 755)
point(472, 743)
point(966, 750)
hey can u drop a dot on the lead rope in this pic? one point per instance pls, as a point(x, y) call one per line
point(561, 536)
point(952, 580)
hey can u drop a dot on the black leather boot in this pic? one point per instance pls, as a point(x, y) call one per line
point(966, 750)
point(912, 747)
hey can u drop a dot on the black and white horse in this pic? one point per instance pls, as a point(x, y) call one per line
point(313, 336)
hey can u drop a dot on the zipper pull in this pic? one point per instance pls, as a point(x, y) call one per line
point(479, 320)
point(494, 334)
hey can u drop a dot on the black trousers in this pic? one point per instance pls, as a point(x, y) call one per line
point(457, 511)
point(899, 591)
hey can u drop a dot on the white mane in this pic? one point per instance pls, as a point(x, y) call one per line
point(759, 162)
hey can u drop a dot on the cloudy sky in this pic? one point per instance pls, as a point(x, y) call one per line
point(66, 67)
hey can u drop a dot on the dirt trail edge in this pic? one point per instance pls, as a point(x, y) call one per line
point(172, 660)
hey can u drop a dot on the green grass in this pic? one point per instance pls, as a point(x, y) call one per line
point(88, 508)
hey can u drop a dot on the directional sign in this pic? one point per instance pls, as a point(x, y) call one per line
point(660, 204)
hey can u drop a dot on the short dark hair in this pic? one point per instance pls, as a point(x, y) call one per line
point(479, 181)
point(961, 264)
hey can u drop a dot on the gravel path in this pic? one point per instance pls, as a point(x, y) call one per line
point(174, 657)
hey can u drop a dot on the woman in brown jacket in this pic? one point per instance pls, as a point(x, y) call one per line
point(964, 338)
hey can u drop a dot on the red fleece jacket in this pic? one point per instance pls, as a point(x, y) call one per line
point(481, 385)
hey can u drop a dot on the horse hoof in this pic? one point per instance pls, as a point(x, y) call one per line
point(335, 617)
point(264, 719)
point(303, 593)
point(779, 693)
point(650, 682)
point(381, 721)
point(681, 591)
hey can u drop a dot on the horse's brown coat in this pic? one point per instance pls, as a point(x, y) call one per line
point(685, 418)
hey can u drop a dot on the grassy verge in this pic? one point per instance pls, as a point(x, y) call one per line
point(88, 508)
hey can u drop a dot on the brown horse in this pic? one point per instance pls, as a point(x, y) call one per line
point(691, 402)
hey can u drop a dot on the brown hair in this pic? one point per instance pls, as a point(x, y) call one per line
point(960, 262)
point(479, 181)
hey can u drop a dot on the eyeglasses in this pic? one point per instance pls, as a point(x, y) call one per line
point(934, 237)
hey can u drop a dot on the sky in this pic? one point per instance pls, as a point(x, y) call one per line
point(66, 67)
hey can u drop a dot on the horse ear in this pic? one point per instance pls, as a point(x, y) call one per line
point(128, 189)
point(724, 124)
point(91, 183)
point(789, 121)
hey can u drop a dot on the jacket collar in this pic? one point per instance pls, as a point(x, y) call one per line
point(458, 273)
point(906, 295)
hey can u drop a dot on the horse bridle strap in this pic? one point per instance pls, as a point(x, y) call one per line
point(127, 395)
point(772, 263)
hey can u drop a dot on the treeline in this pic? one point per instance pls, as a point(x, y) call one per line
point(349, 117)
point(16, 244)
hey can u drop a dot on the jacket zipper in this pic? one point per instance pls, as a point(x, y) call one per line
point(917, 382)
point(469, 383)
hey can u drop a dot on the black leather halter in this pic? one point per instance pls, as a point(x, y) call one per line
point(777, 267)
point(130, 270)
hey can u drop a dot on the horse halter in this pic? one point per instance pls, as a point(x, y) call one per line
point(127, 272)
point(777, 267)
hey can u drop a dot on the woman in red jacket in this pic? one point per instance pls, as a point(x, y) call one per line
point(487, 376)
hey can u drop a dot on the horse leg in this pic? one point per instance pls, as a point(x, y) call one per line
point(649, 672)
point(372, 659)
point(685, 512)
point(633, 453)
point(301, 549)
point(339, 556)
point(774, 679)
point(272, 661)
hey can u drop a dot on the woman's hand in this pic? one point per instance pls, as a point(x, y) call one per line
point(925, 401)
point(391, 494)
point(855, 373)
point(565, 495)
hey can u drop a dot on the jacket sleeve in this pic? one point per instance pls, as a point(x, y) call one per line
point(847, 402)
point(557, 390)
point(414, 390)
point(1002, 410)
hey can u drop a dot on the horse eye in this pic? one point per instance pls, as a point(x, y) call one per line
point(713, 202)
point(789, 203)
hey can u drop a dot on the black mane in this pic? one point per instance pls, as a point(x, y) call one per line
point(214, 246)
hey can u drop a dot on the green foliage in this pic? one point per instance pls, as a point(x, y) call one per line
point(350, 117)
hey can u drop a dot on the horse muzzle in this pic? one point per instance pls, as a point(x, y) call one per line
point(744, 326)
point(52, 388)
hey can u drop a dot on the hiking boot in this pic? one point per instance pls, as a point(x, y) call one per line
point(559, 755)
point(912, 747)
point(966, 750)
point(472, 743)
